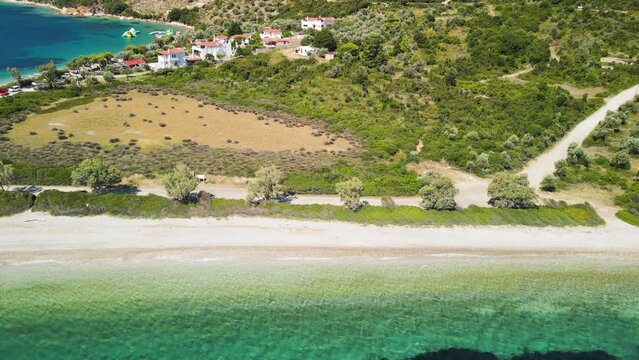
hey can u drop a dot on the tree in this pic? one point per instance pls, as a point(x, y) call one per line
point(108, 76)
point(630, 144)
point(180, 182)
point(349, 48)
point(577, 156)
point(349, 192)
point(266, 185)
point(48, 75)
point(438, 192)
point(373, 54)
point(324, 39)
point(549, 184)
point(15, 74)
point(95, 174)
point(235, 29)
point(561, 168)
point(508, 190)
point(7, 173)
point(621, 160)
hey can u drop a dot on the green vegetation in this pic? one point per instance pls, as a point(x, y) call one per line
point(41, 175)
point(7, 175)
point(628, 217)
point(180, 182)
point(15, 202)
point(611, 155)
point(152, 206)
point(438, 192)
point(512, 191)
point(95, 174)
point(349, 192)
point(266, 185)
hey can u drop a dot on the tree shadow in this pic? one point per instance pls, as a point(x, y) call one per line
point(469, 354)
point(121, 190)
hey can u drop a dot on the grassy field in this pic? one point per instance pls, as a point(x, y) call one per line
point(152, 206)
point(154, 120)
point(628, 217)
point(14, 202)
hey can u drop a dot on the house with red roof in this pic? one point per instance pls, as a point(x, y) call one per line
point(275, 42)
point(171, 58)
point(317, 23)
point(134, 63)
point(221, 38)
point(271, 33)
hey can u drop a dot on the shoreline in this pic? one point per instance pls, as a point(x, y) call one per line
point(41, 237)
point(102, 15)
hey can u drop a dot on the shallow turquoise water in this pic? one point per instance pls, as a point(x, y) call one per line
point(33, 36)
point(276, 311)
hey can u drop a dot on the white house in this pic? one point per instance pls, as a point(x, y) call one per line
point(200, 50)
point(271, 33)
point(221, 38)
point(241, 39)
point(305, 50)
point(171, 58)
point(317, 23)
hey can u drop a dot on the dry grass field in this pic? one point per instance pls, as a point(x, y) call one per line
point(154, 121)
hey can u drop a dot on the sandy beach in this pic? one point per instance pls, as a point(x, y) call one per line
point(39, 237)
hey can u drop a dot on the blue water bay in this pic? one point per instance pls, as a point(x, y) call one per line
point(33, 36)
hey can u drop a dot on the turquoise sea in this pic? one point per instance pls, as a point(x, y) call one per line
point(313, 310)
point(33, 36)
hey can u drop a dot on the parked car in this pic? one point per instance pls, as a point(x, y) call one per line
point(14, 89)
point(4, 92)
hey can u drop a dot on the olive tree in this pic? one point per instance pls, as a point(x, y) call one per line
point(438, 192)
point(266, 185)
point(548, 183)
point(95, 174)
point(349, 192)
point(508, 190)
point(621, 160)
point(180, 182)
point(577, 156)
point(6, 175)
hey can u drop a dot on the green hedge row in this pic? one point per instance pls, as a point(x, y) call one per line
point(14, 202)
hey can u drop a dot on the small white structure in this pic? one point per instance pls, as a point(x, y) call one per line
point(218, 50)
point(171, 58)
point(330, 55)
point(270, 33)
point(305, 50)
point(241, 39)
point(317, 23)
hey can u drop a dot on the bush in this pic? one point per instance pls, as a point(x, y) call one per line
point(577, 156)
point(621, 160)
point(631, 145)
point(180, 182)
point(508, 190)
point(108, 76)
point(549, 184)
point(266, 185)
point(438, 192)
point(349, 192)
point(7, 173)
point(95, 174)
point(388, 202)
point(14, 202)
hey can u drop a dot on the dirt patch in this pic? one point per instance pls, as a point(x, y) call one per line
point(578, 92)
point(155, 120)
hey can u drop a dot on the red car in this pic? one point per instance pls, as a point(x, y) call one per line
point(4, 92)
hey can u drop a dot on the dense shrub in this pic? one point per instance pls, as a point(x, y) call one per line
point(14, 202)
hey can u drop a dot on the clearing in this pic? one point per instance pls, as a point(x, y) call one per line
point(155, 120)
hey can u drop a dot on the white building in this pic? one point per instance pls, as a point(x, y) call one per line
point(275, 42)
point(171, 58)
point(317, 23)
point(217, 50)
point(271, 33)
point(305, 50)
point(241, 39)
point(221, 38)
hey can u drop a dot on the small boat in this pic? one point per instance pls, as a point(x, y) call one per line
point(160, 34)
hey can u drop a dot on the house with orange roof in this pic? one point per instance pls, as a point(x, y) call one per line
point(317, 23)
point(171, 58)
point(271, 33)
point(221, 38)
point(275, 42)
point(201, 50)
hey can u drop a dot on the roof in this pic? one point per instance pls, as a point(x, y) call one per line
point(134, 62)
point(330, 18)
point(193, 58)
point(221, 36)
point(275, 40)
point(172, 51)
point(245, 36)
point(208, 43)
point(269, 30)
